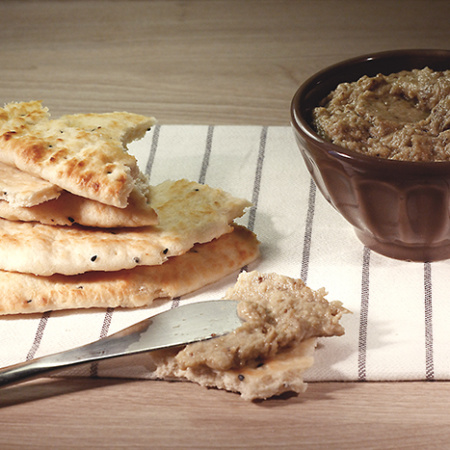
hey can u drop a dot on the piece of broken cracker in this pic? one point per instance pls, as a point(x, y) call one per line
point(21, 189)
point(188, 213)
point(83, 154)
point(269, 353)
point(69, 209)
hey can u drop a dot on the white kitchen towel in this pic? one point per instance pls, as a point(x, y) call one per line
point(399, 326)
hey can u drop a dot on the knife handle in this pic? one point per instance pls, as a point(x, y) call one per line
point(25, 371)
point(108, 347)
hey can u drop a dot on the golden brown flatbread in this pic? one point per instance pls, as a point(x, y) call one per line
point(202, 265)
point(69, 209)
point(20, 189)
point(83, 154)
point(188, 213)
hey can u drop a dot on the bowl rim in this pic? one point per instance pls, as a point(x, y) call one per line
point(301, 125)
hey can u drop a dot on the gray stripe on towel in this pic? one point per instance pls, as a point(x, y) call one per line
point(428, 300)
point(103, 333)
point(308, 231)
point(39, 335)
point(364, 314)
point(153, 149)
point(206, 155)
point(258, 176)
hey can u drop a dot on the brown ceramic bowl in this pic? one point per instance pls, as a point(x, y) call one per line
point(400, 209)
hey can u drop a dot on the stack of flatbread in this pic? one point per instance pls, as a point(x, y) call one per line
point(81, 227)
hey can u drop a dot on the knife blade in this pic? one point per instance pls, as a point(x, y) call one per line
point(183, 325)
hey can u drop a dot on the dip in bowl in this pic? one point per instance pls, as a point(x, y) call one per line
point(398, 208)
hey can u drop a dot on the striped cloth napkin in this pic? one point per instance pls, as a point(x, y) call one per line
point(398, 329)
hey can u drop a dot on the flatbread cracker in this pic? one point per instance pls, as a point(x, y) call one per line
point(268, 354)
point(58, 150)
point(280, 374)
point(188, 213)
point(202, 265)
point(69, 209)
point(20, 189)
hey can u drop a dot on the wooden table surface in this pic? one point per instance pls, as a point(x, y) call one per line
point(206, 62)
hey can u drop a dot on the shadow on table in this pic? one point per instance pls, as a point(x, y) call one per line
point(316, 391)
point(51, 387)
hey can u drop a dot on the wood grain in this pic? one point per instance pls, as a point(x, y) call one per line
point(75, 413)
point(207, 62)
point(196, 61)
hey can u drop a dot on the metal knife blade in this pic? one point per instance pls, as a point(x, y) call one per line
point(183, 325)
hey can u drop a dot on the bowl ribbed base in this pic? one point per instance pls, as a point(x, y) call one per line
point(406, 252)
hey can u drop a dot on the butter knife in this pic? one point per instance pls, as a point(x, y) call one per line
point(183, 325)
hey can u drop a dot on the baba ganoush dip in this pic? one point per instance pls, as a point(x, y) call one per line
point(401, 116)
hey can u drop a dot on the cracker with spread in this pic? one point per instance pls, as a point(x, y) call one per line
point(270, 352)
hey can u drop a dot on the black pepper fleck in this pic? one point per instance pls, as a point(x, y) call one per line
point(241, 377)
point(165, 251)
point(71, 219)
point(29, 301)
point(137, 260)
point(93, 258)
